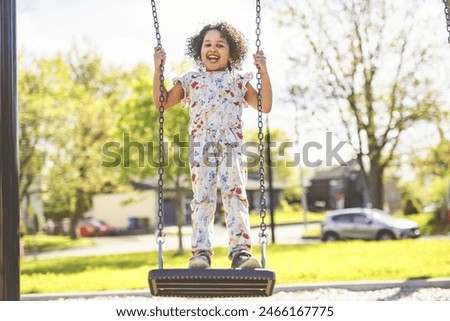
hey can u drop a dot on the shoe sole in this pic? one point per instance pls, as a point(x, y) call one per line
point(198, 264)
point(251, 263)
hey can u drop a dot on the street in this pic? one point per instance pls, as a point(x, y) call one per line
point(284, 234)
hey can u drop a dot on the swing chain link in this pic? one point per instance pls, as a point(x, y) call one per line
point(262, 213)
point(160, 227)
point(447, 16)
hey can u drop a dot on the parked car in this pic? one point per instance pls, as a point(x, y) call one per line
point(94, 227)
point(366, 223)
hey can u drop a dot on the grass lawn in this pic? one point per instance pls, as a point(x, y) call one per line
point(428, 224)
point(45, 242)
point(285, 217)
point(340, 261)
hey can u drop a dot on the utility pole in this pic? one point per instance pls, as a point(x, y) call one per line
point(9, 164)
point(302, 174)
point(270, 179)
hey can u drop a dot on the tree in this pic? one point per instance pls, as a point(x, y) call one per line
point(80, 121)
point(283, 162)
point(367, 70)
point(138, 128)
point(436, 162)
point(34, 129)
point(80, 98)
point(433, 176)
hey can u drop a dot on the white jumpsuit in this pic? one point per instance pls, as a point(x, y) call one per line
point(215, 101)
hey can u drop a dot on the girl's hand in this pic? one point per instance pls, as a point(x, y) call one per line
point(260, 61)
point(159, 56)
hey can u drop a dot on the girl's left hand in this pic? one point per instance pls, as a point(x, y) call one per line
point(260, 61)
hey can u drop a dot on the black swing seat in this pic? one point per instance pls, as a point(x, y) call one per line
point(211, 282)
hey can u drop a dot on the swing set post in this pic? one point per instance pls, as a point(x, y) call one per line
point(9, 159)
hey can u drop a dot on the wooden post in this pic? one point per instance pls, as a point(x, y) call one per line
point(9, 168)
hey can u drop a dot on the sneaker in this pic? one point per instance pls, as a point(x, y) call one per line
point(244, 260)
point(200, 260)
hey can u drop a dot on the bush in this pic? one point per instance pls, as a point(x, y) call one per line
point(410, 208)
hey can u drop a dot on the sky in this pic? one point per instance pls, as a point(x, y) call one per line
point(122, 32)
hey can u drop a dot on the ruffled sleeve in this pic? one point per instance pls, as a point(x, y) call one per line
point(185, 83)
point(242, 80)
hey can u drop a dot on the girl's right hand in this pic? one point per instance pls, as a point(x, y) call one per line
point(159, 56)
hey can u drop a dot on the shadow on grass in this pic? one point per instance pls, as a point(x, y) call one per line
point(437, 227)
point(72, 265)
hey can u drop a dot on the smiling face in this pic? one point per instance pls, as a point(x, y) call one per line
point(215, 51)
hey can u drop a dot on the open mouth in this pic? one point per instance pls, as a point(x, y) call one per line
point(213, 58)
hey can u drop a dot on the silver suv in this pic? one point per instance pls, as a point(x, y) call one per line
point(366, 223)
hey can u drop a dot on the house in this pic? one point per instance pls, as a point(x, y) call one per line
point(339, 187)
point(252, 188)
point(126, 211)
point(150, 185)
point(139, 209)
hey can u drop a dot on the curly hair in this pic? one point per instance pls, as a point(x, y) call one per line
point(236, 40)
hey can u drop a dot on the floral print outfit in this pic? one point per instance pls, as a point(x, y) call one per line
point(215, 100)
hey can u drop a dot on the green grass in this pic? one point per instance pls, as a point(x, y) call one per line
point(52, 242)
point(285, 217)
point(428, 224)
point(341, 261)
point(49, 242)
point(359, 260)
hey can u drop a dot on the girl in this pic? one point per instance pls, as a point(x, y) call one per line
point(215, 95)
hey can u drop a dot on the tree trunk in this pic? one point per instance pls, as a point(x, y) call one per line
point(376, 185)
point(80, 208)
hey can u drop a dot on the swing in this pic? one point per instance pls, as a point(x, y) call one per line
point(210, 282)
point(447, 17)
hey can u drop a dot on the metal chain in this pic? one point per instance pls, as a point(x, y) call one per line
point(263, 225)
point(160, 233)
point(262, 213)
point(447, 16)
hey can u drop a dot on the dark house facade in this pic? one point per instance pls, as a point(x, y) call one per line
point(340, 187)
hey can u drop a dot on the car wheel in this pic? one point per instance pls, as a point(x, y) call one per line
point(330, 237)
point(385, 236)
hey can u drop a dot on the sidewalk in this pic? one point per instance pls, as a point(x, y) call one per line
point(437, 289)
point(284, 234)
point(392, 290)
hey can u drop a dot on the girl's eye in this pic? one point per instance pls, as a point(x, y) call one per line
point(207, 45)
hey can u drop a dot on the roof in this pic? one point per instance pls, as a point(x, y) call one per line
point(337, 172)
